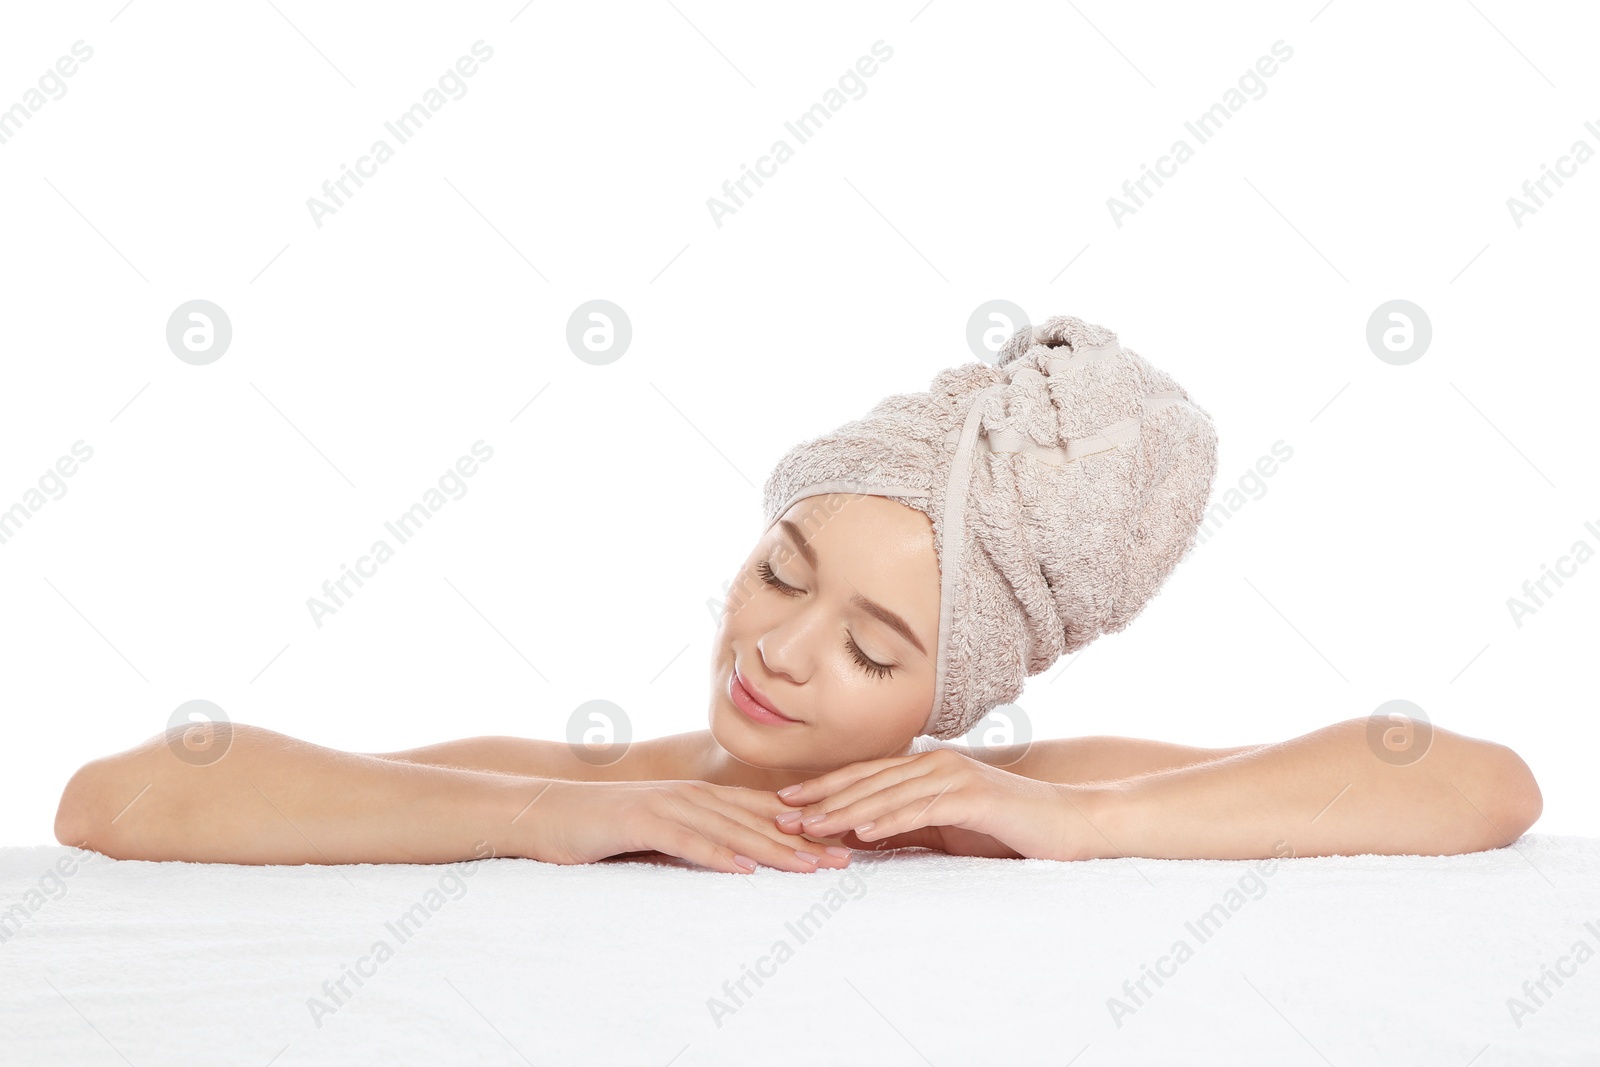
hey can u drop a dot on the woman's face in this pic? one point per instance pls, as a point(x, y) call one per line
point(832, 621)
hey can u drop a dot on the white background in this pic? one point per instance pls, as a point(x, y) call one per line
point(430, 312)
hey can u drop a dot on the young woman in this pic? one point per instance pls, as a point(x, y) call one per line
point(917, 566)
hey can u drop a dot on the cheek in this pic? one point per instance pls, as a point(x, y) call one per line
point(881, 713)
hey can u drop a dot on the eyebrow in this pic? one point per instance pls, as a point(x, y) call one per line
point(876, 610)
point(800, 542)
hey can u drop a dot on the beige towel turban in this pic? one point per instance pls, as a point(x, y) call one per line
point(1063, 483)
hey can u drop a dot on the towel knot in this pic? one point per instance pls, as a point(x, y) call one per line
point(1066, 392)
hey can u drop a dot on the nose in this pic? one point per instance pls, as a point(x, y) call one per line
point(786, 648)
point(773, 655)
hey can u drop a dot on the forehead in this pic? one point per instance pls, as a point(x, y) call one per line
point(866, 536)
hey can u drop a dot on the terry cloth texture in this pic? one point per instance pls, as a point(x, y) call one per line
point(1064, 483)
point(628, 960)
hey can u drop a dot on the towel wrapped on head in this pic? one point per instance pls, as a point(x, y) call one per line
point(1064, 483)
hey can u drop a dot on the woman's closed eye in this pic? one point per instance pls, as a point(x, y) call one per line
point(871, 667)
point(771, 578)
point(877, 670)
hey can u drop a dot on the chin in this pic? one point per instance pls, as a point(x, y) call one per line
point(749, 743)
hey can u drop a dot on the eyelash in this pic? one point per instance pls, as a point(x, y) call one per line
point(877, 670)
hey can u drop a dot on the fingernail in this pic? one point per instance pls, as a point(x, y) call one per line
point(863, 828)
point(789, 790)
point(788, 818)
point(745, 861)
point(812, 820)
point(808, 857)
point(835, 850)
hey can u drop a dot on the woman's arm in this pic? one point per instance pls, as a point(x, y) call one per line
point(1076, 760)
point(1325, 793)
point(641, 760)
point(1330, 792)
point(272, 798)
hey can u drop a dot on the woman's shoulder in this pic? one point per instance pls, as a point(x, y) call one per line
point(652, 759)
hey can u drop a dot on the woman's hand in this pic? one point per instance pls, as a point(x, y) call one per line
point(712, 825)
point(941, 800)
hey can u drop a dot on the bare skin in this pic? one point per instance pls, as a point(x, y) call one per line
point(858, 690)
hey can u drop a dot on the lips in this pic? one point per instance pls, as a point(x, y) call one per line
point(756, 696)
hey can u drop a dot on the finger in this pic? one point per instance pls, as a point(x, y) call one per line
point(681, 809)
point(831, 852)
point(910, 823)
point(749, 835)
point(716, 841)
point(788, 821)
point(812, 789)
point(765, 806)
point(756, 809)
point(853, 792)
point(759, 807)
point(686, 843)
point(762, 823)
point(801, 835)
point(817, 817)
point(921, 800)
point(921, 837)
point(774, 849)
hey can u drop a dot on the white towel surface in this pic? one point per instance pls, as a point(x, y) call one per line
point(909, 957)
